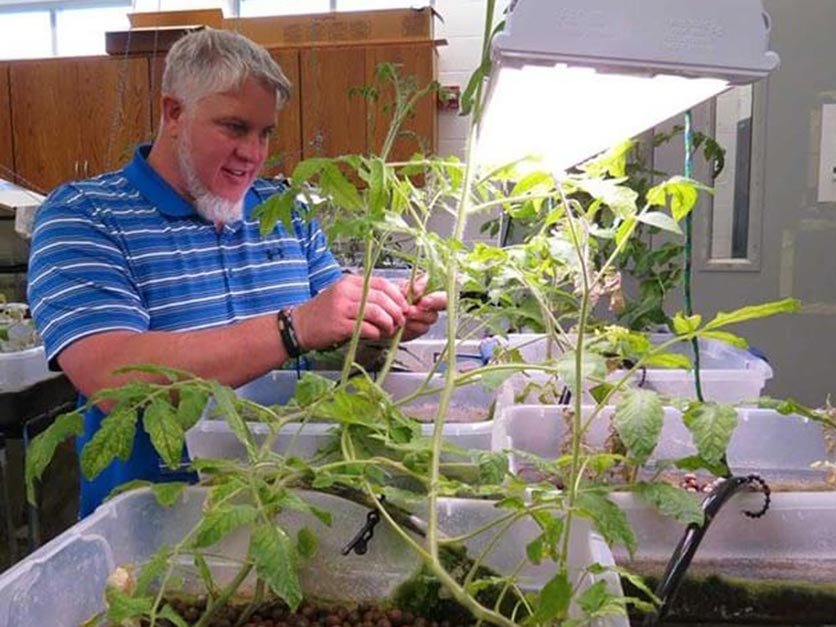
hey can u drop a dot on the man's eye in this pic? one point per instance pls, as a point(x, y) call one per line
point(235, 127)
point(267, 133)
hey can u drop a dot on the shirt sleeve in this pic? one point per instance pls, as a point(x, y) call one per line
point(80, 283)
point(323, 269)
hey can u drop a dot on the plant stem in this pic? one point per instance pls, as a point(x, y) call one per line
point(225, 595)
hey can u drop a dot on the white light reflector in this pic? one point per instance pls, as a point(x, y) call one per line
point(564, 115)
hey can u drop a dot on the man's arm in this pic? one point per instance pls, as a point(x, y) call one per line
point(240, 352)
point(232, 355)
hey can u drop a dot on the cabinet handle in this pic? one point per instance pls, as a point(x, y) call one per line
point(76, 169)
point(86, 174)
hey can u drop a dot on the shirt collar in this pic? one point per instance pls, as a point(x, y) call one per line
point(161, 194)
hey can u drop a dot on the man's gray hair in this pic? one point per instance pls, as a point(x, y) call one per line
point(212, 61)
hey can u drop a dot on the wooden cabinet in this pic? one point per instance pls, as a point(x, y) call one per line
point(73, 118)
point(286, 143)
point(337, 119)
point(6, 153)
point(419, 132)
point(333, 119)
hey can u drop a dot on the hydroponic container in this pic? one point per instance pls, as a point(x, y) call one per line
point(62, 584)
point(473, 405)
point(728, 374)
point(20, 369)
point(780, 448)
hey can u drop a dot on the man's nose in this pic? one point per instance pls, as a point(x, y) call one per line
point(251, 147)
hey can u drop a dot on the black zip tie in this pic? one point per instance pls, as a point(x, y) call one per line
point(360, 542)
point(767, 496)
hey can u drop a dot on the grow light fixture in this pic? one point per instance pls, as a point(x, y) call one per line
point(571, 78)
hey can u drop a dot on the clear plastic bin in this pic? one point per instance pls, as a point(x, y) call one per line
point(62, 584)
point(728, 374)
point(779, 448)
point(21, 369)
point(211, 437)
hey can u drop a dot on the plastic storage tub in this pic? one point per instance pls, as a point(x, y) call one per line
point(62, 584)
point(21, 369)
point(779, 448)
point(727, 374)
point(211, 437)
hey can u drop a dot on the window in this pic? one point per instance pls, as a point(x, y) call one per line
point(734, 219)
point(25, 34)
point(66, 27)
point(82, 31)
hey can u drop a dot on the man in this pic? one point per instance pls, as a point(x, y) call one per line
point(161, 261)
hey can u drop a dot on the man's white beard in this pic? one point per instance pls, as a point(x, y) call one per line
point(209, 206)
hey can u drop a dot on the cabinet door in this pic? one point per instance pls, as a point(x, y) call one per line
point(6, 155)
point(114, 97)
point(333, 120)
point(418, 133)
point(286, 144)
point(45, 121)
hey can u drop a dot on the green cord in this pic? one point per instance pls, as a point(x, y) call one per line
point(689, 237)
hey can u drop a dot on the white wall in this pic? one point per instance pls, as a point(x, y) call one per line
point(463, 29)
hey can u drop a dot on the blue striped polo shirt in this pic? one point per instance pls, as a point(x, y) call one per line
point(124, 251)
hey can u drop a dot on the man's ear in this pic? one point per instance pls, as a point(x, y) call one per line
point(173, 114)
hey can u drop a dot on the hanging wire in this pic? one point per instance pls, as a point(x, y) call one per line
point(689, 247)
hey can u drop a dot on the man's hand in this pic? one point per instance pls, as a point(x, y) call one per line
point(328, 319)
point(423, 312)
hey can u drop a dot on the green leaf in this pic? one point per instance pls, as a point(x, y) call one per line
point(114, 438)
point(638, 419)
point(625, 230)
point(534, 550)
point(554, 599)
point(600, 392)
point(162, 425)
point(311, 388)
point(218, 523)
point(278, 208)
point(378, 193)
point(190, 406)
point(712, 426)
point(695, 462)
point(306, 543)
point(152, 569)
point(306, 169)
point(754, 312)
point(607, 518)
point(469, 93)
point(168, 493)
point(684, 325)
point(492, 381)
point(728, 338)
point(619, 198)
point(168, 613)
point(225, 397)
point(672, 502)
point(593, 365)
point(596, 599)
point(339, 188)
point(493, 466)
point(42, 448)
point(205, 574)
point(683, 194)
point(275, 563)
point(121, 607)
point(660, 221)
point(667, 360)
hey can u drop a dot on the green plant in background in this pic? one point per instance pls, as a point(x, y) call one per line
point(582, 224)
